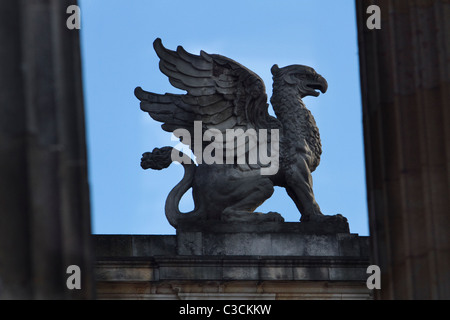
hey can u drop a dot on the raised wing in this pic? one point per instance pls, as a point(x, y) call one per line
point(221, 93)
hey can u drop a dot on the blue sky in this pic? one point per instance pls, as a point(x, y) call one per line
point(118, 56)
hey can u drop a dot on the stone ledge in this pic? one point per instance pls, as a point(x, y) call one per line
point(232, 244)
point(328, 225)
point(271, 244)
point(134, 245)
point(234, 290)
point(153, 267)
point(213, 268)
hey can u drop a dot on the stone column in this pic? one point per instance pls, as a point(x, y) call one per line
point(405, 78)
point(44, 195)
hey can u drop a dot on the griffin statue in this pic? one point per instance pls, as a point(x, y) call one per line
point(223, 95)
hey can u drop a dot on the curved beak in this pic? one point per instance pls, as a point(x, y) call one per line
point(323, 84)
point(318, 83)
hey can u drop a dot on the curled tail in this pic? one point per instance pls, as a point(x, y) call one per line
point(161, 158)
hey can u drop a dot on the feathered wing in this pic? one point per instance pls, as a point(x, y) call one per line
point(221, 93)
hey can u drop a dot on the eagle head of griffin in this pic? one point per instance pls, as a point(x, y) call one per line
point(304, 78)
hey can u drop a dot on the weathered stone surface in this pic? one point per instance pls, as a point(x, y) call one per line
point(233, 244)
point(134, 245)
point(271, 244)
point(332, 226)
point(234, 290)
point(226, 265)
point(169, 267)
point(232, 268)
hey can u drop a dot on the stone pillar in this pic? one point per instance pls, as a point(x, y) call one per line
point(405, 78)
point(44, 195)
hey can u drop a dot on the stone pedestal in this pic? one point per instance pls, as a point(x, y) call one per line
point(270, 244)
point(198, 264)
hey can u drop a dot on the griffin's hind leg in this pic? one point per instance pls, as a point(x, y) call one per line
point(250, 197)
